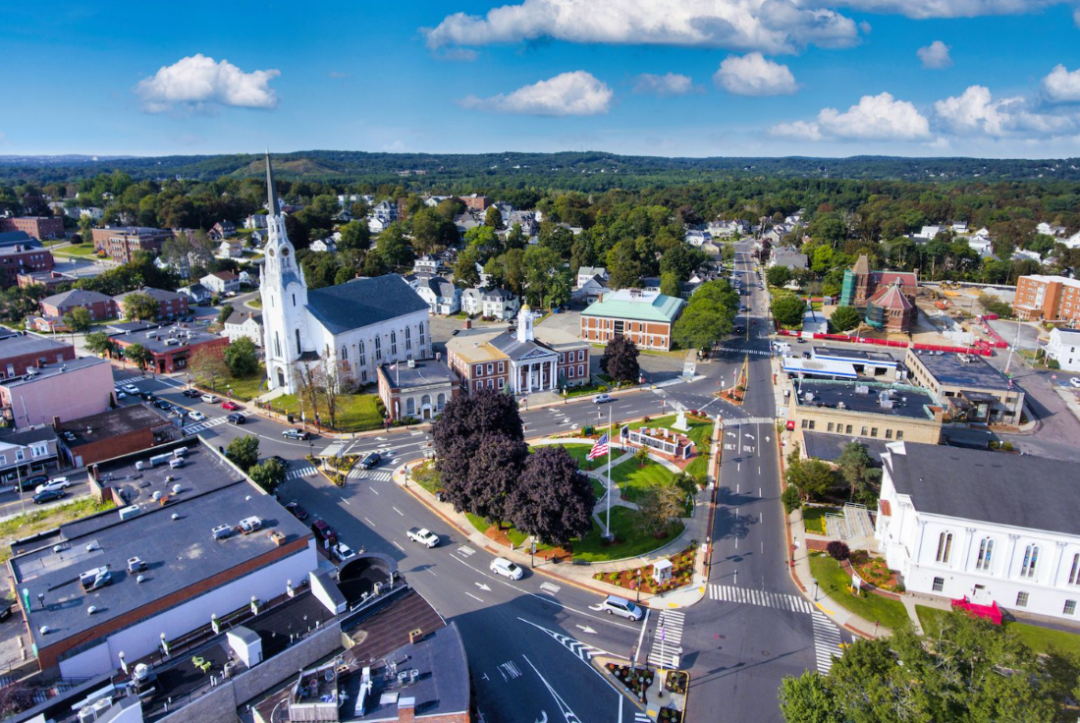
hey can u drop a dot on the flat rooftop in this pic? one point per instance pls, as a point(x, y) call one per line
point(113, 423)
point(423, 373)
point(19, 344)
point(178, 553)
point(975, 373)
point(866, 398)
point(154, 339)
point(54, 370)
point(856, 356)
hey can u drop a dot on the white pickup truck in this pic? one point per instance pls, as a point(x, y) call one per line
point(424, 536)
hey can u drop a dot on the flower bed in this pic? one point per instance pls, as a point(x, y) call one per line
point(636, 680)
point(874, 570)
point(669, 715)
point(675, 682)
point(682, 573)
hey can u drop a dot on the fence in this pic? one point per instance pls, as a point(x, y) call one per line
point(980, 347)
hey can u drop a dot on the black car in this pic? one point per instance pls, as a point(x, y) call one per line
point(191, 393)
point(236, 418)
point(371, 460)
point(5, 609)
point(47, 496)
point(148, 396)
point(162, 404)
point(32, 482)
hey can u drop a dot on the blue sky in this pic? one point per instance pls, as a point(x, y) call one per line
point(996, 78)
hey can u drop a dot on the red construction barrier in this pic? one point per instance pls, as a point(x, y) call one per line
point(990, 612)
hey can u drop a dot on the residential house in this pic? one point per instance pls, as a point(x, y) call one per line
point(788, 258)
point(591, 290)
point(1064, 348)
point(27, 452)
point(197, 293)
point(244, 324)
point(1048, 230)
point(698, 237)
point(386, 209)
point(430, 266)
point(586, 273)
point(441, 296)
point(171, 304)
point(231, 248)
point(221, 282)
point(255, 221)
point(222, 230)
point(499, 304)
point(324, 245)
point(378, 224)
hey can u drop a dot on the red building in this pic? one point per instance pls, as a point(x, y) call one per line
point(170, 304)
point(51, 280)
point(39, 227)
point(173, 347)
point(476, 203)
point(122, 243)
point(19, 352)
point(99, 305)
point(22, 258)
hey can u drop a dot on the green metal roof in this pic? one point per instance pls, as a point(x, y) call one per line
point(648, 307)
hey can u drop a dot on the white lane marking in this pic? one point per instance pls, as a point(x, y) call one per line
point(368, 520)
point(346, 501)
point(399, 512)
point(373, 489)
point(567, 714)
point(473, 597)
point(397, 545)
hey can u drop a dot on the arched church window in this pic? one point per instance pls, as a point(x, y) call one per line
point(298, 349)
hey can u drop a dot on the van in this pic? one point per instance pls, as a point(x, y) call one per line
point(176, 463)
point(622, 607)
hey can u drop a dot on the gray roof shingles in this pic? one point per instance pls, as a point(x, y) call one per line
point(362, 302)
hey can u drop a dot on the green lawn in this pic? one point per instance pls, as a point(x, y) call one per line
point(516, 536)
point(1039, 639)
point(246, 389)
point(254, 303)
point(633, 541)
point(80, 250)
point(633, 479)
point(834, 582)
point(814, 518)
point(427, 477)
point(355, 412)
point(700, 433)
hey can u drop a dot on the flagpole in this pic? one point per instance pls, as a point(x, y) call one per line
point(611, 442)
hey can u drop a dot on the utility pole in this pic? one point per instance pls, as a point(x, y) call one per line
point(611, 447)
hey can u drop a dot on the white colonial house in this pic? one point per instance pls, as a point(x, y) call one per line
point(1064, 347)
point(350, 328)
point(495, 303)
point(441, 296)
point(586, 274)
point(244, 324)
point(992, 527)
point(324, 245)
point(378, 224)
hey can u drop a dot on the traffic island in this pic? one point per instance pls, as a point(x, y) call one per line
point(662, 693)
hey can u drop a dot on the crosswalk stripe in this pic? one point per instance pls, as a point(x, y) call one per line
point(826, 641)
point(205, 424)
point(763, 598)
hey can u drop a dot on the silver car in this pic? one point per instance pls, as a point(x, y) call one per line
point(622, 607)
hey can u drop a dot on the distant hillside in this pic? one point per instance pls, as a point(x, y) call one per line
point(582, 171)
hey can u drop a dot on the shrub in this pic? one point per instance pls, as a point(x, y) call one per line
point(602, 388)
point(791, 499)
point(646, 420)
point(1006, 446)
point(838, 550)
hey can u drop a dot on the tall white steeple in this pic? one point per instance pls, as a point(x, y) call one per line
point(284, 297)
point(525, 324)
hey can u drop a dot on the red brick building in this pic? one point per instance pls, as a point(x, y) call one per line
point(25, 258)
point(122, 243)
point(1053, 298)
point(114, 433)
point(476, 203)
point(173, 347)
point(99, 305)
point(20, 352)
point(51, 280)
point(646, 317)
point(39, 227)
point(170, 304)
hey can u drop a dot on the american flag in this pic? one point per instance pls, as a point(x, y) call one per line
point(600, 448)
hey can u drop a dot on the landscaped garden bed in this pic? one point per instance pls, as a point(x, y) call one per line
point(669, 715)
point(700, 433)
point(874, 571)
point(682, 573)
point(836, 583)
point(675, 681)
point(636, 680)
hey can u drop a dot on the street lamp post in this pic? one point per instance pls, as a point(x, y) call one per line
point(815, 590)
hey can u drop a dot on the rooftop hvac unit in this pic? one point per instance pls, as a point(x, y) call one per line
point(176, 489)
point(221, 532)
point(135, 564)
point(129, 512)
point(841, 405)
point(156, 495)
point(95, 579)
point(808, 396)
point(862, 389)
point(250, 524)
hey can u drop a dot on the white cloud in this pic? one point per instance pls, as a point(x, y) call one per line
point(1076, 17)
point(875, 117)
point(576, 93)
point(947, 8)
point(752, 74)
point(667, 84)
point(976, 111)
point(198, 82)
point(772, 26)
point(1062, 85)
point(935, 55)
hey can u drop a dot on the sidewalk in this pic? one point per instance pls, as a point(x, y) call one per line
point(581, 574)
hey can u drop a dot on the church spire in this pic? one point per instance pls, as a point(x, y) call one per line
point(271, 191)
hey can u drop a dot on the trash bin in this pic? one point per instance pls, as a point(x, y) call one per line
point(289, 417)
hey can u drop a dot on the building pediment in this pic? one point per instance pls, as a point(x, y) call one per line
point(535, 354)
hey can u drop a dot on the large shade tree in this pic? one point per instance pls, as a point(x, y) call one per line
point(620, 360)
point(554, 500)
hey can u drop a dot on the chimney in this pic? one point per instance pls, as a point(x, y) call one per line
point(416, 635)
point(601, 298)
point(468, 323)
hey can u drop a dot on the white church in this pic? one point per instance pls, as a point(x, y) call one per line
point(357, 325)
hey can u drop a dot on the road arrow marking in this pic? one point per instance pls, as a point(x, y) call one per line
point(585, 629)
point(483, 587)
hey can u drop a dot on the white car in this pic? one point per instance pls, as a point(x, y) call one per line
point(424, 536)
point(1075, 381)
point(56, 483)
point(131, 389)
point(196, 416)
point(209, 398)
point(343, 552)
point(502, 566)
point(601, 399)
point(121, 395)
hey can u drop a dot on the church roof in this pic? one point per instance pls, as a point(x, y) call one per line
point(362, 302)
point(890, 297)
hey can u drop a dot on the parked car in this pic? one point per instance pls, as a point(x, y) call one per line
point(342, 552)
point(300, 434)
point(296, 510)
point(424, 536)
point(196, 416)
point(121, 395)
point(1075, 381)
point(371, 459)
point(5, 609)
point(31, 483)
point(47, 496)
point(209, 398)
point(230, 406)
point(324, 532)
point(622, 607)
point(56, 483)
point(162, 405)
point(502, 566)
point(148, 396)
point(191, 393)
point(236, 418)
point(130, 389)
point(601, 399)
